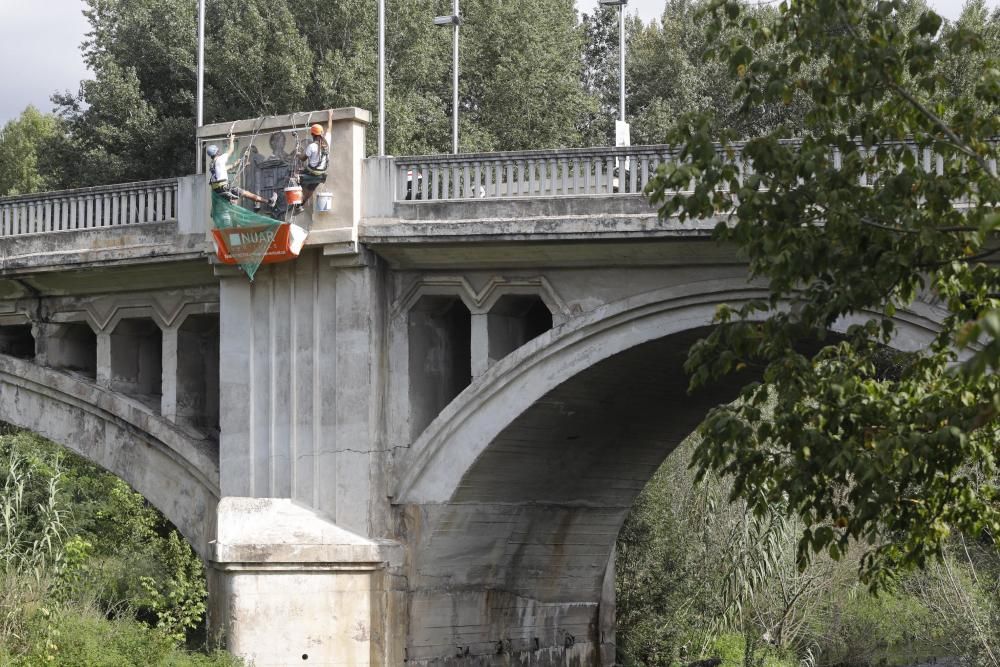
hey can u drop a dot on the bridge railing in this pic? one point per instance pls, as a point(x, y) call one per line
point(89, 208)
point(574, 171)
point(570, 171)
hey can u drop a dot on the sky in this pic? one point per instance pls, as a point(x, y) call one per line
point(40, 46)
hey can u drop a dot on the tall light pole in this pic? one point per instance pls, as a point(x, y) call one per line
point(621, 52)
point(200, 118)
point(455, 21)
point(381, 77)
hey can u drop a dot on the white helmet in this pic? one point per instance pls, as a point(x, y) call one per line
point(213, 150)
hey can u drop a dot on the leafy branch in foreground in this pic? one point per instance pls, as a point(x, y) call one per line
point(883, 214)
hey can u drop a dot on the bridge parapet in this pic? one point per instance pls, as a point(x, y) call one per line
point(89, 208)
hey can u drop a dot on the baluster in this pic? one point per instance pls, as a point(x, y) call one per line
point(115, 205)
point(4, 220)
point(133, 215)
point(598, 180)
point(466, 183)
point(160, 204)
point(563, 177)
point(609, 165)
point(519, 176)
point(576, 174)
point(435, 182)
point(477, 168)
point(509, 177)
point(645, 170)
point(425, 182)
point(71, 221)
point(143, 205)
point(531, 177)
point(171, 197)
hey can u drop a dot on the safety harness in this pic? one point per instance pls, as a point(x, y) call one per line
point(324, 156)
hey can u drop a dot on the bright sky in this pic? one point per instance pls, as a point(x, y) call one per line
point(40, 46)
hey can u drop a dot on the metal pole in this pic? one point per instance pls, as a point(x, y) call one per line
point(621, 61)
point(381, 77)
point(454, 108)
point(201, 81)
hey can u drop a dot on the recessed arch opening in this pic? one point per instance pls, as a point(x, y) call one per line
point(440, 355)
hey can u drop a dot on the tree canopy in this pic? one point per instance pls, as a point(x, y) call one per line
point(23, 160)
point(520, 80)
point(888, 198)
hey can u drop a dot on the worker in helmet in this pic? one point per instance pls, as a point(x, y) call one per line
point(316, 158)
point(218, 179)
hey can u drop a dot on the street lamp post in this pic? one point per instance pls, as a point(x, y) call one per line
point(200, 119)
point(381, 77)
point(453, 20)
point(621, 52)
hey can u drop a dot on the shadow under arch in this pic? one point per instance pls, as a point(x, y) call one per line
point(513, 497)
point(177, 473)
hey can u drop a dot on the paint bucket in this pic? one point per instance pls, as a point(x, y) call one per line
point(293, 195)
point(324, 201)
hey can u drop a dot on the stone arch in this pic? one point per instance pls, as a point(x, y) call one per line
point(176, 472)
point(512, 498)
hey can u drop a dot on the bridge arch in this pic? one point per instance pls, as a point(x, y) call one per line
point(465, 428)
point(176, 472)
point(513, 496)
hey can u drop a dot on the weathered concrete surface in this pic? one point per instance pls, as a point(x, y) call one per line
point(523, 542)
point(177, 473)
point(292, 587)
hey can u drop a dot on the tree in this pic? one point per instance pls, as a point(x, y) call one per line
point(134, 120)
point(22, 152)
point(895, 451)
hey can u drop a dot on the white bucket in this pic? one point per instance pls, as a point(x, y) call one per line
point(324, 201)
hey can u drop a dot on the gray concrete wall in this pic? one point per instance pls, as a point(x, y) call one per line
point(301, 388)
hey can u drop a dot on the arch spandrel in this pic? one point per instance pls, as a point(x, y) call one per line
point(177, 473)
point(451, 444)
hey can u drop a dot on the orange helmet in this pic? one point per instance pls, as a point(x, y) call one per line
point(316, 130)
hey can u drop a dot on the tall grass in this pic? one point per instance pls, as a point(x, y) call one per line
point(30, 546)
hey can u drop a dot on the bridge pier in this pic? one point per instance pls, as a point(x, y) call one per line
point(291, 587)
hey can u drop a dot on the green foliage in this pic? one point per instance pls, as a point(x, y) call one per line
point(77, 634)
point(520, 83)
point(894, 456)
point(92, 574)
point(685, 556)
point(24, 166)
point(178, 597)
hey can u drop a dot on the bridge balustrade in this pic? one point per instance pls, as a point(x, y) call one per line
point(541, 173)
point(89, 208)
point(572, 171)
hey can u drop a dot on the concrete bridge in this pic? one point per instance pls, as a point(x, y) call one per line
point(416, 443)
